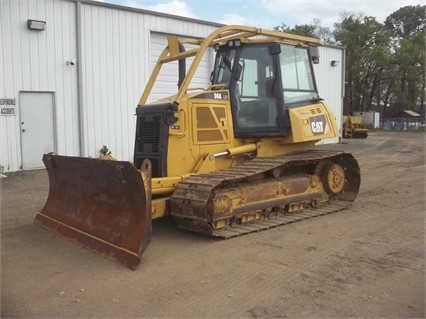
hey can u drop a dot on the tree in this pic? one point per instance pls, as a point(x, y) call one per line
point(367, 52)
point(314, 30)
point(407, 22)
point(407, 26)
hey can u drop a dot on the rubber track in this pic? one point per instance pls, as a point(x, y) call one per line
point(198, 189)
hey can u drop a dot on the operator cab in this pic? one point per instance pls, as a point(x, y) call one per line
point(265, 80)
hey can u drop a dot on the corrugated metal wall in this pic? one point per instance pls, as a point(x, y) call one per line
point(35, 61)
point(114, 46)
point(330, 82)
point(166, 84)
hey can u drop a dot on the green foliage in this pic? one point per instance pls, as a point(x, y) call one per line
point(407, 22)
point(314, 30)
point(367, 58)
point(104, 151)
point(407, 26)
point(304, 29)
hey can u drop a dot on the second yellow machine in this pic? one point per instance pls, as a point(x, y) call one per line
point(233, 158)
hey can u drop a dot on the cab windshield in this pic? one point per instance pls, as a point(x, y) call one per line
point(264, 81)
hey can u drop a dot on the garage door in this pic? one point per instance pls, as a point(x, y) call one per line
point(167, 80)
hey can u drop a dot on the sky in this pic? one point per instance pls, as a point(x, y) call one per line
point(270, 13)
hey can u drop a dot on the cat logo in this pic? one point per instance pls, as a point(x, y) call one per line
point(218, 96)
point(318, 124)
point(317, 127)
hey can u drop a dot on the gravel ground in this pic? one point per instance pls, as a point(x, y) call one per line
point(368, 261)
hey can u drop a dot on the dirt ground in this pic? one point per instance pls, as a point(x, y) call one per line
point(368, 261)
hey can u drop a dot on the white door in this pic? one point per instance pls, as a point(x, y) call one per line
point(37, 127)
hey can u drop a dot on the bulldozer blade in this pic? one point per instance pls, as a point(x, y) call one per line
point(104, 206)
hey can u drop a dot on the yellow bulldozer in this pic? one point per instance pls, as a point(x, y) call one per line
point(353, 127)
point(236, 157)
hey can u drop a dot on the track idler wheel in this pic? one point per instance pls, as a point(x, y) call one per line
point(332, 176)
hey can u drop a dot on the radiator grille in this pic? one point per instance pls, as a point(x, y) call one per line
point(152, 135)
point(149, 135)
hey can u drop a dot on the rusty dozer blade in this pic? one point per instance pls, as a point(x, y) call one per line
point(104, 206)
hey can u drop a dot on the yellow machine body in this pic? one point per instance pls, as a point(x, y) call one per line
point(353, 127)
point(195, 147)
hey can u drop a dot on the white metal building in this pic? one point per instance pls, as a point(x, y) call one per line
point(72, 71)
point(370, 119)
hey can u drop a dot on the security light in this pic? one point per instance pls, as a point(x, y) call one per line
point(36, 25)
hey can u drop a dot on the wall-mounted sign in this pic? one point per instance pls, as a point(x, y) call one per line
point(7, 106)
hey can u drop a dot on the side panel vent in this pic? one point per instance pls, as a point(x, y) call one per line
point(150, 131)
point(152, 136)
